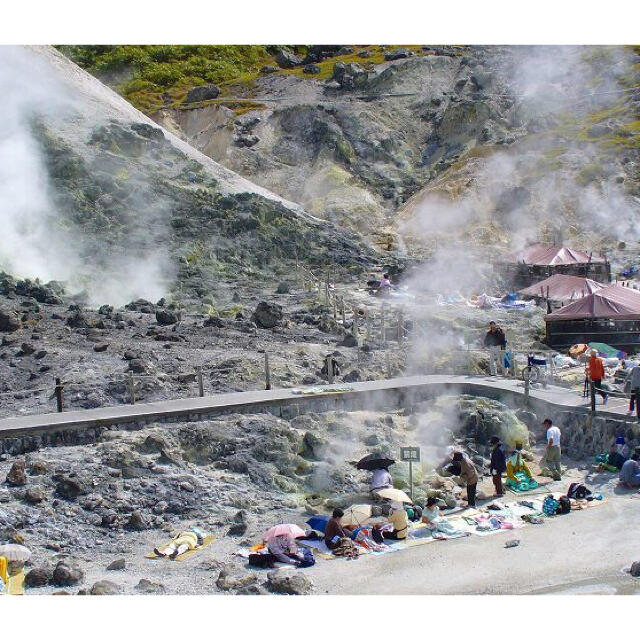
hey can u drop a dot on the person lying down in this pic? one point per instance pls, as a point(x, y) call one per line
point(183, 542)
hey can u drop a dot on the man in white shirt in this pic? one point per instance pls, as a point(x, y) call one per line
point(551, 459)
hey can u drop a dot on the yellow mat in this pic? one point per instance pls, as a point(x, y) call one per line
point(205, 543)
point(15, 585)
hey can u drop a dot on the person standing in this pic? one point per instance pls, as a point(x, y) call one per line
point(634, 388)
point(595, 369)
point(498, 464)
point(467, 471)
point(553, 453)
point(496, 342)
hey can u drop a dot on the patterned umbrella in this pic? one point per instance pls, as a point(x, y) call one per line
point(292, 530)
point(15, 552)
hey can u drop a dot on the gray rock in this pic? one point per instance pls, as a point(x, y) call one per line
point(66, 574)
point(9, 320)
point(349, 340)
point(204, 92)
point(349, 76)
point(146, 586)
point(101, 347)
point(34, 495)
point(70, 488)
point(27, 349)
point(231, 578)
point(38, 467)
point(38, 577)
point(635, 569)
point(311, 68)
point(267, 315)
point(269, 68)
point(245, 140)
point(136, 522)
point(17, 476)
point(117, 565)
point(166, 317)
point(397, 54)
point(105, 588)
point(289, 582)
point(286, 59)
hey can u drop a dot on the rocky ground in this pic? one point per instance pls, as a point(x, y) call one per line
point(80, 508)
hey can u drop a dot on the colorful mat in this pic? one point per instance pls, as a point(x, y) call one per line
point(205, 543)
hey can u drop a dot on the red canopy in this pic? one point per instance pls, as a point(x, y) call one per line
point(562, 287)
point(613, 302)
point(539, 254)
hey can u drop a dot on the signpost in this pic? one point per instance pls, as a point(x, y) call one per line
point(410, 455)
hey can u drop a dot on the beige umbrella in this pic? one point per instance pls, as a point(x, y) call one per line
point(395, 495)
point(15, 552)
point(356, 515)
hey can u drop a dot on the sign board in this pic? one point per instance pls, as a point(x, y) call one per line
point(410, 454)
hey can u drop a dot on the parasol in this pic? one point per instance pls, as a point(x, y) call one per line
point(292, 530)
point(357, 514)
point(374, 461)
point(395, 495)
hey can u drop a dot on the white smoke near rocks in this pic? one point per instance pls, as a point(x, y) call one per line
point(35, 240)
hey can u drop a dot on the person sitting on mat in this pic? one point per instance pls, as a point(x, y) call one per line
point(630, 472)
point(183, 542)
point(400, 521)
point(284, 549)
point(334, 531)
point(516, 463)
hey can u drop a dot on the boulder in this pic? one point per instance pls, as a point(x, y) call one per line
point(311, 68)
point(240, 524)
point(66, 574)
point(397, 54)
point(27, 349)
point(136, 522)
point(34, 495)
point(349, 340)
point(246, 140)
point(146, 586)
point(9, 320)
point(269, 68)
point(38, 577)
point(349, 76)
point(70, 488)
point(204, 92)
point(287, 59)
point(215, 321)
point(289, 582)
point(105, 588)
point(635, 569)
point(166, 317)
point(17, 476)
point(117, 565)
point(101, 347)
point(267, 315)
point(231, 578)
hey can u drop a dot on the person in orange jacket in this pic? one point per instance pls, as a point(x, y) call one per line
point(595, 371)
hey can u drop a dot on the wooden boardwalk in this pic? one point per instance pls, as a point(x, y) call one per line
point(360, 393)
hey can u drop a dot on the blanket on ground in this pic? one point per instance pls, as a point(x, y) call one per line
point(205, 543)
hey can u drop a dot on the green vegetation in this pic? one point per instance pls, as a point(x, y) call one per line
point(151, 76)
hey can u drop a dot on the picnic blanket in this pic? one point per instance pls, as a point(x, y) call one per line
point(205, 543)
point(524, 483)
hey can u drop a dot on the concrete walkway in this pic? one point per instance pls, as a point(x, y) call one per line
point(380, 393)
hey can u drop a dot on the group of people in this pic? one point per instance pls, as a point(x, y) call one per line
point(595, 372)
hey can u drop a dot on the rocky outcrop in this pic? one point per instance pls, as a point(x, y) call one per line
point(289, 583)
point(204, 92)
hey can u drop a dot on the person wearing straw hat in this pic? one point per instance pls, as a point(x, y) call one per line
point(400, 521)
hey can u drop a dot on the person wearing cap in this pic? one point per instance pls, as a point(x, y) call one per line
point(595, 371)
point(496, 342)
point(466, 470)
point(498, 464)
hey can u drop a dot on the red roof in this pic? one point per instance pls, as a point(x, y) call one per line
point(563, 287)
point(539, 254)
point(615, 302)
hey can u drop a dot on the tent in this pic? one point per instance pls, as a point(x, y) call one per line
point(613, 303)
point(541, 255)
point(610, 315)
point(525, 267)
point(561, 288)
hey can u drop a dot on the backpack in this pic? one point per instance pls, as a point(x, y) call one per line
point(262, 560)
point(307, 559)
point(564, 506)
point(578, 491)
point(550, 506)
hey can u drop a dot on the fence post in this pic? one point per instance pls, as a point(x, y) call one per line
point(329, 361)
point(383, 322)
point(200, 382)
point(592, 389)
point(59, 390)
point(132, 389)
point(267, 372)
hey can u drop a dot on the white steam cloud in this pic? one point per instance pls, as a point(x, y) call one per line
point(34, 241)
